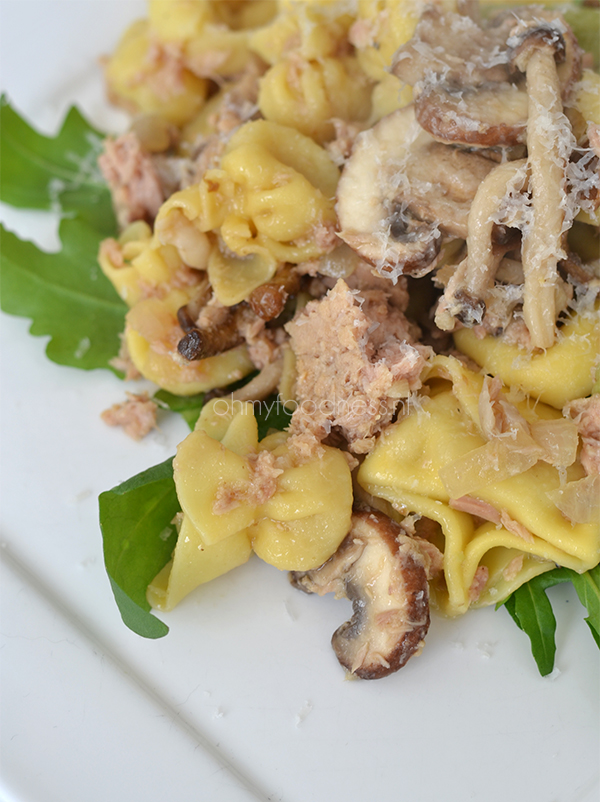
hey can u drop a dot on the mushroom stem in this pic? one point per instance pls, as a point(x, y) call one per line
point(268, 300)
point(465, 296)
point(547, 133)
point(202, 343)
point(481, 254)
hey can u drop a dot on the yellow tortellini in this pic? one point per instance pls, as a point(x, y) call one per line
point(525, 534)
point(218, 52)
point(151, 272)
point(271, 201)
point(233, 278)
point(117, 257)
point(211, 37)
point(193, 565)
point(152, 334)
point(389, 95)
point(179, 20)
point(312, 30)
point(202, 125)
point(183, 20)
point(139, 265)
point(564, 372)
point(284, 189)
point(308, 95)
point(586, 97)
point(149, 79)
point(177, 225)
point(241, 14)
point(382, 26)
point(238, 494)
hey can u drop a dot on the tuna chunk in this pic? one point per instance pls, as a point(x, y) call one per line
point(355, 361)
point(134, 182)
point(137, 415)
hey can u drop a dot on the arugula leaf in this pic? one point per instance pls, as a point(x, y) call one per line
point(531, 610)
point(588, 590)
point(189, 407)
point(65, 294)
point(271, 413)
point(61, 172)
point(139, 538)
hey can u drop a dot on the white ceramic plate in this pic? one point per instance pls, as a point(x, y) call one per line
point(243, 700)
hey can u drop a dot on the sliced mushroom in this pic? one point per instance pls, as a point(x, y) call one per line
point(536, 47)
point(492, 115)
point(401, 193)
point(383, 572)
point(466, 88)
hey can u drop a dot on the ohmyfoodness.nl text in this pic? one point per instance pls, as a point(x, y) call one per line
point(332, 408)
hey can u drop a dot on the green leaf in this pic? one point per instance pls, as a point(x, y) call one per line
point(139, 538)
point(189, 407)
point(271, 414)
point(595, 634)
point(587, 586)
point(531, 610)
point(61, 172)
point(509, 603)
point(65, 294)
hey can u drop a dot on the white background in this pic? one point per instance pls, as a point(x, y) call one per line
point(243, 700)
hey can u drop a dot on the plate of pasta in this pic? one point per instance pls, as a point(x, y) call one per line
point(333, 267)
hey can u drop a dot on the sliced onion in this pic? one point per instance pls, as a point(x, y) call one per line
point(558, 439)
point(579, 501)
point(491, 463)
point(514, 445)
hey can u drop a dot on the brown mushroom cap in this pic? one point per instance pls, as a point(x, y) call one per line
point(489, 115)
point(383, 572)
point(401, 192)
point(454, 47)
point(467, 90)
point(530, 38)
